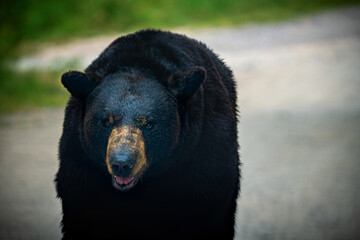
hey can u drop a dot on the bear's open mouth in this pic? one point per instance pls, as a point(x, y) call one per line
point(124, 183)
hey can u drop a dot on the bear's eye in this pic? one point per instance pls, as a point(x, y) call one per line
point(143, 123)
point(107, 123)
point(149, 125)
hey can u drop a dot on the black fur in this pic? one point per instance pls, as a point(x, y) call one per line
point(77, 83)
point(190, 187)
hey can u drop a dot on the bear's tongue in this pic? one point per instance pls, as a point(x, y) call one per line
point(124, 180)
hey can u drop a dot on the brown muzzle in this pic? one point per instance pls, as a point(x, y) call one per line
point(125, 155)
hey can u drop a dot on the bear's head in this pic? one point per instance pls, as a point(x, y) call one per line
point(131, 123)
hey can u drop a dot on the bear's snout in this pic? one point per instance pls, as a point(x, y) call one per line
point(122, 164)
point(125, 156)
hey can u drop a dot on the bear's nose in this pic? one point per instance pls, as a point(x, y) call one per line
point(122, 165)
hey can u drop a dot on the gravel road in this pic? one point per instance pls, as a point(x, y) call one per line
point(298, 91)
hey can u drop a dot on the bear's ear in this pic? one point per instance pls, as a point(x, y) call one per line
point(77, 83)
point(185, 84)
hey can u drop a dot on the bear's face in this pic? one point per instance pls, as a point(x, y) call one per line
point(131, 125)
point(131, 122)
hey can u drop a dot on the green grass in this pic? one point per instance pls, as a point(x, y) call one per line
point(26, 24)
point(28, 90)
point(30, 21)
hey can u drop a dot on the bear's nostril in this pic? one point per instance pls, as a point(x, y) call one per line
point(122, 164)
point(115, 167)
point(125, 167)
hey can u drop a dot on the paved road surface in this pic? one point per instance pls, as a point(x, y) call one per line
point(298, 85)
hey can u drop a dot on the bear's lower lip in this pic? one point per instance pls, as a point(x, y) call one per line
point(124, 183)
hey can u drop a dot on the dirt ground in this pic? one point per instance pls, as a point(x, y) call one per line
point(298, 91)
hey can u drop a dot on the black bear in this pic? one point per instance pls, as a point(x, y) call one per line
point(149, 146)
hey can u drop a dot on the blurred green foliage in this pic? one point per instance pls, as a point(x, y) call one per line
point(30, 90)
point(34, 20)
point(24, 23)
